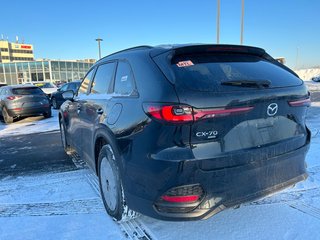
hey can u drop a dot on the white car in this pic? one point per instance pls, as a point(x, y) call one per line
point(47, 87)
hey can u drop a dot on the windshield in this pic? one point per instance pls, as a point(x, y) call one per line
point(203, 72)
point(27, 91)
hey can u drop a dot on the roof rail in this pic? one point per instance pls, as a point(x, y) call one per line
point(127, 50)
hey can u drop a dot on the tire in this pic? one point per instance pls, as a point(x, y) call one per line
point(111, 186)
point(47, 114)
point(6, 117)
point(54, 103)
point(68, 150)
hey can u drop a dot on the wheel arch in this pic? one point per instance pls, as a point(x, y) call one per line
point(103, 136)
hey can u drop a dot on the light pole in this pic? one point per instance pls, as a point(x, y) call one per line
point(218, 21)
point(99, 47)
point(242, 16)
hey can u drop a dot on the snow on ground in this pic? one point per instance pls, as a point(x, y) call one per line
point(68, 206)
point(30, 125)
point(307, 74)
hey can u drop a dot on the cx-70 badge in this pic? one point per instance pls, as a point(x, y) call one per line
point(272, 109)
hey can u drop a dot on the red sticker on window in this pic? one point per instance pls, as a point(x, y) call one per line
point(185, 63)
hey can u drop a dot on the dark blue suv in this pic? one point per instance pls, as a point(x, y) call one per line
point(182, 132)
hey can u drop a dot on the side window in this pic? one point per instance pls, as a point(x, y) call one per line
point(64, 88)
point(124, 83)
point(72, 86)
point(103, 78)
point(85, 83)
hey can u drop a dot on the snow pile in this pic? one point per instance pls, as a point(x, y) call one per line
point(30, 125)
point(307, 74)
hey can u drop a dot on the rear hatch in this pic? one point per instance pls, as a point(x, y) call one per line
point(29, 97)
point(240, 97)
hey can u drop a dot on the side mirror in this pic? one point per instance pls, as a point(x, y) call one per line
point(68, 95)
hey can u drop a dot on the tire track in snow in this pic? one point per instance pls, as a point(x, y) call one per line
point(87, 206)
point(306, 208)
point(132, 229)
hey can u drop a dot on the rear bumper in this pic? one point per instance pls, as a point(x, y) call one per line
point(26, 112)
point(224, 187)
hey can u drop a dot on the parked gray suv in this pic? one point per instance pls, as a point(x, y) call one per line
point(23, 101)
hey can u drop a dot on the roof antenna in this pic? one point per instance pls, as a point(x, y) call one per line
point(17, 39)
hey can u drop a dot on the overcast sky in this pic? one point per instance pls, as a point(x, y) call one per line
point(67, 29)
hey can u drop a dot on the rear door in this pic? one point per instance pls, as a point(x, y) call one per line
point(240, 101)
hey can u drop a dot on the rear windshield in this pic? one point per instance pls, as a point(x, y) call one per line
point(208, 72)
point(27, 91)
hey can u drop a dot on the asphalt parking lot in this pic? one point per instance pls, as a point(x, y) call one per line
point(33, 154)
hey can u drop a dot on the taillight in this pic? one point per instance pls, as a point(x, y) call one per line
point(13, 97)
point(300, 103)
point(184, 113)
point(170, 113)
point(211, 113)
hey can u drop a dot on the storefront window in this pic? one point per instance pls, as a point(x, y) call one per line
point(46, 66)
point(39, 66)
point(69, 66)
point(55, 66)
point(75, 67)
point(40, 76)
point(63, 76)
point(63, 66)
point(81, 67)
point(55, 75)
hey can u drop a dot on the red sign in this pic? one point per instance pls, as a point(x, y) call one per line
point(25, 47)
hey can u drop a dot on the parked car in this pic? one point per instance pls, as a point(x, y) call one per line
point(316, 78)
point(23, 101)
point(47, 87)
point(183, 132)
point(56, 97)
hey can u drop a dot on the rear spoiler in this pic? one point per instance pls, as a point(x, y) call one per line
point(175, 50)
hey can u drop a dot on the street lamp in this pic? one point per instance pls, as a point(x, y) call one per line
point(218, 21)
point(242, 16)
point(99, 47)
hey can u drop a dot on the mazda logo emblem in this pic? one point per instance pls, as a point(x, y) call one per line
point(272, 109)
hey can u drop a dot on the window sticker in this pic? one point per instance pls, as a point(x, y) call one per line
point(185, 63)
point(124, 78)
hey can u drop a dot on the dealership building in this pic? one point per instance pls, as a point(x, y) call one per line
point(44, 70)
point(17, 66)
point(10, 52)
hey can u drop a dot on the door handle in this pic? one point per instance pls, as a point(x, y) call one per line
point(100, 111)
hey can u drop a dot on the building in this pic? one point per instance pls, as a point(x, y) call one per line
point(45, 70)
point(12, 52)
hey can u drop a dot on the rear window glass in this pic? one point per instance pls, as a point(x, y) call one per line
point(207, 72)
point(27, 91)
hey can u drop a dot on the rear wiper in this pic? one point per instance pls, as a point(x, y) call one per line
point(248, 83)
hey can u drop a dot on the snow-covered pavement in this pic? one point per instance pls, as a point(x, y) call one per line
point(68, 206)
point(30, 125)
